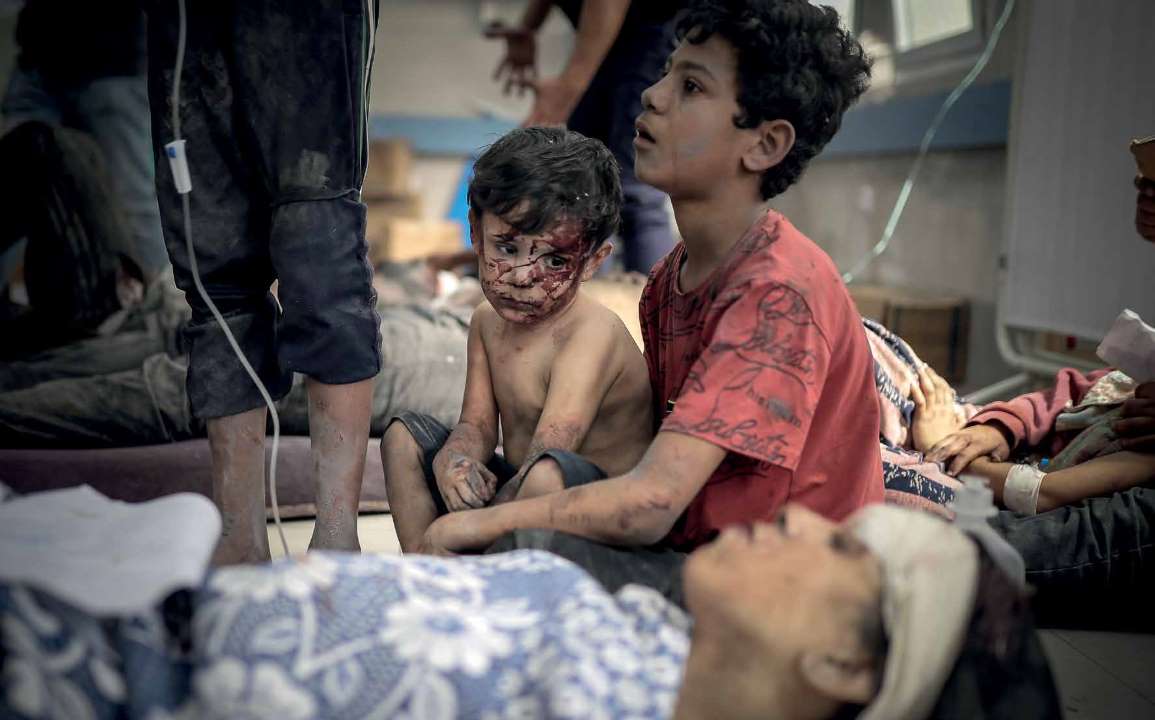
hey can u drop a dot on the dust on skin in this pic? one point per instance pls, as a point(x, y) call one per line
point(565, 435)
point(237, 444)
point(336, 472)
point(528, 279)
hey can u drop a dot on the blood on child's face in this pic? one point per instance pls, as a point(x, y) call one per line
point(530, 278)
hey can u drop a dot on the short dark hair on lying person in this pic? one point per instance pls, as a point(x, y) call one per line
point(561, 175)
point(795, 63)
point(1001, 671)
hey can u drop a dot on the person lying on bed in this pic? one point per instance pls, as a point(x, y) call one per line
point(1084, 437)
point(1087, 557)
point(128, 388)
point(891, 614)
point(558, 372)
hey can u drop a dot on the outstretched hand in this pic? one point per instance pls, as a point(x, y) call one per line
point(1137, 428)
point(519, 66)
point(964, 446)
point(936, 412)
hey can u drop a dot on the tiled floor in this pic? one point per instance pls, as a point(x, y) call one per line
point(1101, 676)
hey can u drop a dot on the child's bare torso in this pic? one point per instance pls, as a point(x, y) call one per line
point(521, 360)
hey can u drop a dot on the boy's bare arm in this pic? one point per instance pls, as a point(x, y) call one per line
point(459, 467)
point(1100, 476)
point(584, 369)
point(635, 509)
point(1097, 477)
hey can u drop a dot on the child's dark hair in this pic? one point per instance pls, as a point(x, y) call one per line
point(563, 176)
point(795, 63)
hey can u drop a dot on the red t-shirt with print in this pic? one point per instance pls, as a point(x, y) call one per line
point(768, 360)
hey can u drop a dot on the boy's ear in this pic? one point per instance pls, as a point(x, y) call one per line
point(772, 144)
point(846, 680)
point(596, 260)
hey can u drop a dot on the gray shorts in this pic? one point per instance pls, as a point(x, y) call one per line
point(430, 435)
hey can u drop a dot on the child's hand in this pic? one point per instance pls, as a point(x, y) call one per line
point(935, 410)
point(465, 483)
point(969, 443)
point(1137, 428)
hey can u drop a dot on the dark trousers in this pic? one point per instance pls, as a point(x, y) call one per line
point(1092, 564)
point(273, 103)
point(55, 192)
point(607, 112)
point(613, 567)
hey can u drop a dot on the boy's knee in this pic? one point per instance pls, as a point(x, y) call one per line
point(398, 442)
point(543, 478)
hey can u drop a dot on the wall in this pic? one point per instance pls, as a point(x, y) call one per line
point(950, 239)
point(431, 60)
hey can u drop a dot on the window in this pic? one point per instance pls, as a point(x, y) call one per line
point(845, 10)
point(919, 23)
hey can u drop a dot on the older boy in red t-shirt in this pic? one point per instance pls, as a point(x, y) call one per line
point(760, 368)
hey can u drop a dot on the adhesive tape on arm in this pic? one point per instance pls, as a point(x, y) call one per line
point(1021, 491)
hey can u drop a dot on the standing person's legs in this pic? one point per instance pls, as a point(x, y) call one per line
point(238, 448)
point(229, 235)
point(339, 432)
point(303, 73)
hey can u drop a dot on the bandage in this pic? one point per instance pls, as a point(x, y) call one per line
point(1021, 490)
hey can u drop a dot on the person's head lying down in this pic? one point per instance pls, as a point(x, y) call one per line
point(806, 618)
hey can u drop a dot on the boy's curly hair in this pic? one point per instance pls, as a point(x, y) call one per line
point(795, 63)
point(561, 175)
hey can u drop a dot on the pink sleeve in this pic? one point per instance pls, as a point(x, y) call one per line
point(1030, 418)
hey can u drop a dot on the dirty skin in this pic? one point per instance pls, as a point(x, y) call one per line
point(545, 283)
point(538, 477)
point(238, 476)
point(339, 432)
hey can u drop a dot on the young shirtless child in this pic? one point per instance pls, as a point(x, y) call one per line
point(762, 377)
point(556, 370)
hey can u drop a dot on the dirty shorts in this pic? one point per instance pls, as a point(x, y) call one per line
point(431, 435)
point(273, 108)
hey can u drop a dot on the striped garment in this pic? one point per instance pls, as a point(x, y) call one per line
point(909, 479)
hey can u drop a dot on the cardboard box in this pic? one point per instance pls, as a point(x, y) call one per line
point(387, 206)
point(937, 327)
point(389, 170)
point(398, 239)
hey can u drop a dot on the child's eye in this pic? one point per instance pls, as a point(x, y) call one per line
point(507, 248)
point(553, 262)
point(691, 87)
